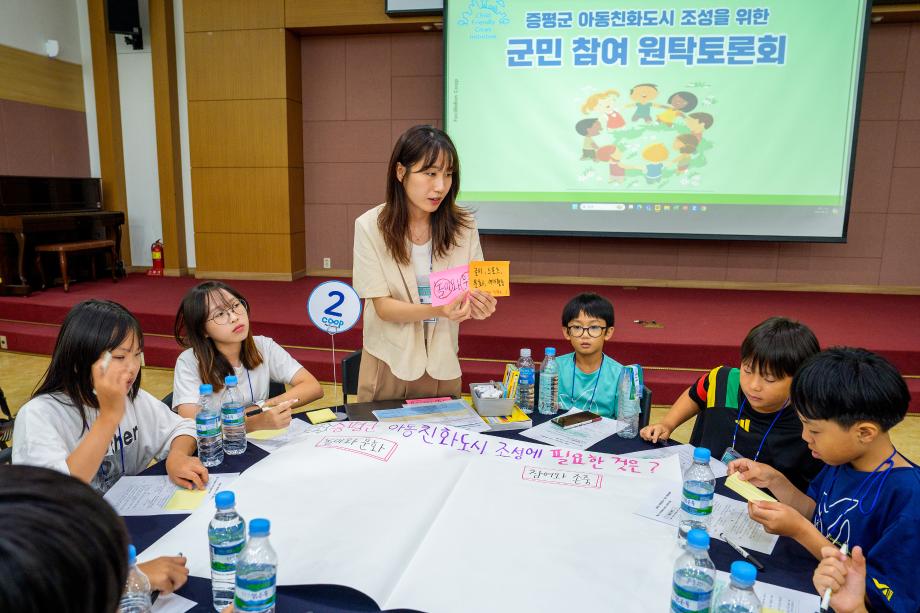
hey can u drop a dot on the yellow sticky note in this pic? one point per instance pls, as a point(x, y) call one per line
point(264, 435)
point(491, 277)
point(321, 416)
point(748, 491)
point(186, 500)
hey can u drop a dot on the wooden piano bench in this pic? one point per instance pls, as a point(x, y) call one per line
point(63, 249)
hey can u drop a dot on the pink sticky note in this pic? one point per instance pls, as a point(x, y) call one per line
point(446, 285)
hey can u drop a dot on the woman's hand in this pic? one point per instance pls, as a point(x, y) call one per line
point(756, 473)
point(111, 381)
point(655, 433)
point(482, 305)
point(272, 417)
point(458, 310)
point(186, 471)
point(845, 577)
point(166, 574)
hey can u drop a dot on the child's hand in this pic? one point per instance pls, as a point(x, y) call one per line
point(166, 574)
point(756, 473)
point(845, 577)
point(482, 305)
point(111, 382)
point(272, 418)
point(655, 433)
point(459, 309)
point(777, 518)
point(186, 471)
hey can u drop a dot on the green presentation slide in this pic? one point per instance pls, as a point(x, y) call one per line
point(651, 103)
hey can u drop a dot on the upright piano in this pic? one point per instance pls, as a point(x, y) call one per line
point(39, 210)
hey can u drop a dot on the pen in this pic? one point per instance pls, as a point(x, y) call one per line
point(826, 599)
point(261, 408)
point(744, 554)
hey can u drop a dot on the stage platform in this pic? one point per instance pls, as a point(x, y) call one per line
point(677, 334)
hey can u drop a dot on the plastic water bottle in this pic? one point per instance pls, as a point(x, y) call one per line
point(526, 367)
point(136, 597)
point(549, 383)
point(226, 536)
point(739, 596)
point(694, 575)
point(698, 492)
point(207, 426)
point(256, 571)
point(233, 418)
point(628, 408)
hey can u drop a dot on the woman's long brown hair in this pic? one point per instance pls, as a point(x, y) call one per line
point(189, 332)
point(424, 145)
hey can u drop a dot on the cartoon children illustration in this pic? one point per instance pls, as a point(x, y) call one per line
point(698, 123)
point(656, 154)
point(589, 128)
point(681, 103)
point(643, 96)
point(613, 155)
point(685, 145)
point(603, 102)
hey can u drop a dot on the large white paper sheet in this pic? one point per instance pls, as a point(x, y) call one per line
point(776, 599)
point(172, 603)
point(156, 494)
point(296, 428)
point(685, 453)
point(456, 413)
point(729, 516)
point(580, 438)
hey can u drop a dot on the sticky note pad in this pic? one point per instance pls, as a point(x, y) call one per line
point(185, 500)
point(321, 416)
point(748, 491)
point(264, 435)
point(447, 285)
point(491, 277)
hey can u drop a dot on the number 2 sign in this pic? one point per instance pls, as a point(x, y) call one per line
point(334, 306)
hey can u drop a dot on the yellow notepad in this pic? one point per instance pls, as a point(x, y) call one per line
point(186, 500)
point(320, 416)
point(264, 435)
point(748, 491)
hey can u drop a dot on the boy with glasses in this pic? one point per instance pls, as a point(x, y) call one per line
point(588, 378)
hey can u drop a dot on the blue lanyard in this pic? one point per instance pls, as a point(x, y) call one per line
point(876, 475)
point(252, 394)
point(766, 434)
point(597, 379)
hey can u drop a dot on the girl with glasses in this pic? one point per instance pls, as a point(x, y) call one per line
point(213, 323)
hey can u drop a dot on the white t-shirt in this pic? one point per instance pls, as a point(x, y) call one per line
point(48, 428)
point(277, 365)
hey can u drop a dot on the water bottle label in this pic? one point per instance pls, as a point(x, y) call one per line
point(232, 416)
point(696, 504)
point(526, 376)
point(223, 559)
point(254, 594)
point(690, 601)
point(207, 425)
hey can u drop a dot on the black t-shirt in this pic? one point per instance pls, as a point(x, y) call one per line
point(719, 397)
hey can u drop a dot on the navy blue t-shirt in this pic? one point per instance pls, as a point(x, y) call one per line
point(887, 528)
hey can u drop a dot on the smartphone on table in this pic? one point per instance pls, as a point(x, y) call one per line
point(573, 420)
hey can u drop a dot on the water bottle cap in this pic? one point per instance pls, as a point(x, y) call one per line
point(230, 380)
point(698, 539)
point(525, 353)
point(550, 351)
point(259, 527)
point(225, 500)
point(743, 573)
point(205, 388)
point(702, 455)
point(132, 555)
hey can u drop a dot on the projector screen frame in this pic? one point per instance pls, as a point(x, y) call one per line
point(867, 23)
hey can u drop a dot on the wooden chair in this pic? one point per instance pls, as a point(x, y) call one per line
point(64, 249)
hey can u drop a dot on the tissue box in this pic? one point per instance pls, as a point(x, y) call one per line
point(491, 407)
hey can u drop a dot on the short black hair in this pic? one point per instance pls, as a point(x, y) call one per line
point(847, 385)
point(584, 125)
point(778, 346)
point(63, 548)
point(593, 305)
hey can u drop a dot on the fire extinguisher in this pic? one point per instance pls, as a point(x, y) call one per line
point(156, 254)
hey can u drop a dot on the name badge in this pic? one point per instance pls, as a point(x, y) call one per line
point(729, 455)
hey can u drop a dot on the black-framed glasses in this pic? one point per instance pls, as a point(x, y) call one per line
point(593, 331)
point(222, 317)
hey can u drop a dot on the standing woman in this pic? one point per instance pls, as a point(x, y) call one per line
point(410, 346)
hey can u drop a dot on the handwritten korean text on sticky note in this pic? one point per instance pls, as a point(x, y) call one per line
point(491, 277)
point(447, 285)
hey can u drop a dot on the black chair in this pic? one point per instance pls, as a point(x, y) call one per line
point(274, 389)
point(6, 431)
point(351, 366)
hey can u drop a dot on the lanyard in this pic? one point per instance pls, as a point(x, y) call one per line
point(252, 394)
point(876, 475)
point(597, 380)
point(766, 434)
